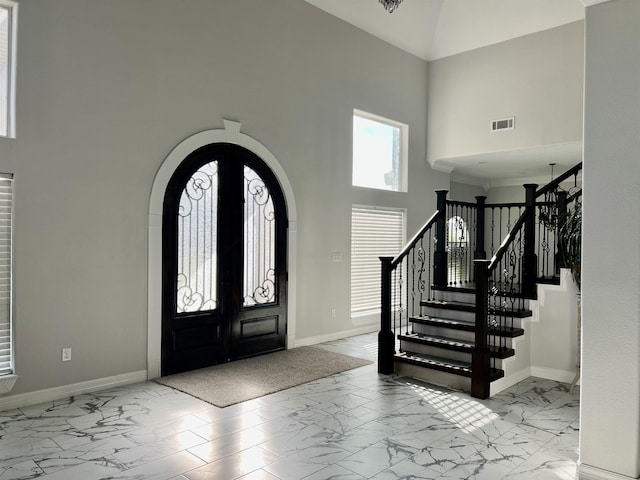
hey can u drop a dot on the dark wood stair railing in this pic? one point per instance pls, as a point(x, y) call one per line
point(501, 284)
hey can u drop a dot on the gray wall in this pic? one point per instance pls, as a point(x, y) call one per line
point(536, 78)
point(107, 88)
point(610, 413)
point(464, 192)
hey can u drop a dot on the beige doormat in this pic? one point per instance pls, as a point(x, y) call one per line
point(234, 382)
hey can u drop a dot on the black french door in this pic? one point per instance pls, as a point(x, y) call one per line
point(224, 260)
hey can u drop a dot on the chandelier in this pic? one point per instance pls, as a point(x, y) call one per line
point(390, 5)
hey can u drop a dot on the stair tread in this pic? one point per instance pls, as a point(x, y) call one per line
point(437, 339)
point(454, 344)
point(449, 305)
point(445, 322)
point(469, 287)
point(471, 307)
point(432, 359)
point(465, 326)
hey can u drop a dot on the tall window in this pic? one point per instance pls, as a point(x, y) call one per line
point(8, 23)
point(458, 251)
point(379, 152)
point(6, 214)
point(375, 232)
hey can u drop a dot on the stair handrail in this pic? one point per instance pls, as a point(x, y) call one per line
point(524, 274)
point(415, 239)
point(480, 384)
point(506, 242)
point(386, 336)
point(552, 185)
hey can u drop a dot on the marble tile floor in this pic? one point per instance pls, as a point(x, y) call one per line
point(350, 426)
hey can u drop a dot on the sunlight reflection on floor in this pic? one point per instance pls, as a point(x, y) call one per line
point(467, 414)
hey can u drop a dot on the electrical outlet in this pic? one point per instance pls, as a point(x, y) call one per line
point(66, 354)
point(333, 313)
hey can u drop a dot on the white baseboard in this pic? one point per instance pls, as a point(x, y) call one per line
point(65, 391)
point(587, 472)
point(563, 376)
point(305, 342)
point(509, 380)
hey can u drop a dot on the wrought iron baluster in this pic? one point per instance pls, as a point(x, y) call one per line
point(493, 229)
point(394, 289)
point(406, 263)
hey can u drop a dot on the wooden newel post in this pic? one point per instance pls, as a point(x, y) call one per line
point(479, 252)
point(440, 254)
point(529, 257)
point(480, 357)
point(386, 340)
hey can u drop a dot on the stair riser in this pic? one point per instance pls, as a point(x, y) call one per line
point(451, 314)
point(449, 296)
point(434, 377)
point(442, 331)
point(455, 334)
point(468, 317)
point(436, 351)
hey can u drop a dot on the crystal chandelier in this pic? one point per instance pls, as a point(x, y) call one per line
point(390, 5)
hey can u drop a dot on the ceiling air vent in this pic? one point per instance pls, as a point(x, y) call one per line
point(503, 124)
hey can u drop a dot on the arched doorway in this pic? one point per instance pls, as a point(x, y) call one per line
point(229, 134)
point(224, 260)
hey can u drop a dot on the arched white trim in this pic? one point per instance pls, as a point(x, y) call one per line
point(230, 134)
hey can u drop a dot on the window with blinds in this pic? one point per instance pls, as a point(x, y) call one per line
point(6, 220)
point(375, 232)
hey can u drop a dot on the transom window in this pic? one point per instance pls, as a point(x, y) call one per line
point(8, 22)
point(379, 152)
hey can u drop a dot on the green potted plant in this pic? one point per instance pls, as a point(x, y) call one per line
point(570, 242)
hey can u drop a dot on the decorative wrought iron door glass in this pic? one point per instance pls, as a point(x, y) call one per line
point(259, 279)
point(197, 242)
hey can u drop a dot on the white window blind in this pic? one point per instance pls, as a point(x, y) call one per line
point(375, 233)
point(6, 220)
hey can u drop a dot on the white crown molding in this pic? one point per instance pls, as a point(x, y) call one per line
point(518, 182)
point(442, 166)
point(488, 184)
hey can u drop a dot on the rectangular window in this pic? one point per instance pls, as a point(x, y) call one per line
point(6, 224)
point(8, 22)
point(379, 152)
point(375, 232)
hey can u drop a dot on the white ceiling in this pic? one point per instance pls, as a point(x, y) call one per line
point(433, 29)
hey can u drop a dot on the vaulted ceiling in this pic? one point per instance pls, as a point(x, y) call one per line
point(433, 29)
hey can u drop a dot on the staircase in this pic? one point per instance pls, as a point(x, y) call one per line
point(442, 338)
point(449, 316)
